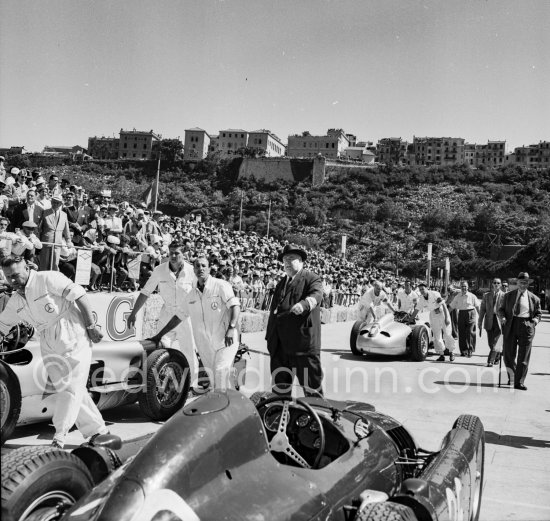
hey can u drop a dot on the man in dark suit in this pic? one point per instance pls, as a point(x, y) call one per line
point(53, 229)
point(488, 319)
point(27, 211)
point(519, 313)
point(294, 326)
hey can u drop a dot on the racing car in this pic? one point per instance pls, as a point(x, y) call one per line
point(392, 334)
point(123, 370)
point(225, 456)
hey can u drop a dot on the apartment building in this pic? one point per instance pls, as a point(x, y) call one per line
point(391, 151)
point(305, 145)
point(267, 141)
point(537, 155)
point(494, 153)
point(196, 144)
point(103, 147)
point(231, 139)
point(359, 153)
point(437, 150)
point(138, 144)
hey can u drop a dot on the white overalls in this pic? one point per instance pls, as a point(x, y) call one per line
point(210, 314)
point(443, 337)
point(49, 306)
point(377, 302)
point(173, 291)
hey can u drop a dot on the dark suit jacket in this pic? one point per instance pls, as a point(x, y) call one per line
point(487, 309)
point(296, 334)
point(506, 309)
point(21, 214)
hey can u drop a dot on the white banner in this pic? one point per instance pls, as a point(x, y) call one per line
point(133, 268)
point(344, 240)
point(429, 251)
point(83, 267)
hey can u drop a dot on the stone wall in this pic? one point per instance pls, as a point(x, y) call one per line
point(284, 168)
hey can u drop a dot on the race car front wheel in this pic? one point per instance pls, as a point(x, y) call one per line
point(386, 511)
point(475, 427)
point(36, 481)
point(353, 338)
point(167, 383)
point(10, 401)
point(420, 342)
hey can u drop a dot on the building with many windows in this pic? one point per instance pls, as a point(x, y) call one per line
point(138, 144)
point(267, 141)
point(391, 151)
point(437, 151)
point(197, 144)
point(305, 145)
point(231, 140)
point(537, 155)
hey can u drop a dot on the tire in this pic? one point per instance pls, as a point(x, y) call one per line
point(37, 478)
point(475, 427)
point(353, 338)
point(420, 343)
point(10, 402)
point(386, 512)
point(161, 403)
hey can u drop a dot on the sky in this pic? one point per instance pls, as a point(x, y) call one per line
point(477, 69)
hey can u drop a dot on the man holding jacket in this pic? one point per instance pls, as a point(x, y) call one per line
point(294, 326)
point(519, 313)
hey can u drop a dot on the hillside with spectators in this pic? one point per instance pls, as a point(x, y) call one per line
point(389, 215)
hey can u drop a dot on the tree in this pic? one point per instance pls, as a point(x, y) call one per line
point(171, 150)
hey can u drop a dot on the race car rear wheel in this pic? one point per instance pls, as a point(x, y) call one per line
point(10, 401)
point(386, 512)
point(167, 384)
point(420, 342)
point(353, 338)
point(35, 480)
point(475, 427)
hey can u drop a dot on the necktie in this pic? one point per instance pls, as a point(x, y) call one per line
point(516, 307)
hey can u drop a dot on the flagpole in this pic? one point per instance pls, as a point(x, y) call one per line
point(157, 182)
point(268, 218)
point(241, 212)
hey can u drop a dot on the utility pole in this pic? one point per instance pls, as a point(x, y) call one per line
point(241, 212)
point(268, 218)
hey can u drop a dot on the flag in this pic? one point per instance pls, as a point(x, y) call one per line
point(150, 195)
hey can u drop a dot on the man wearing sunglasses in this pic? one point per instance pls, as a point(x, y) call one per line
point(488, 318)
point(519, 313)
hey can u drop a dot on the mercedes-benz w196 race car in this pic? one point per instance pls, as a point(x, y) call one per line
point(225, 456)
point(392, 334)
point(122, 370)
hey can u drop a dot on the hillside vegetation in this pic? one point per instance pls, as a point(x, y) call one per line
point(389, 215)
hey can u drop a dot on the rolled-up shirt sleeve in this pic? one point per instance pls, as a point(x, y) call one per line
point(151, 284)
point(228, 296)
point(60, 285)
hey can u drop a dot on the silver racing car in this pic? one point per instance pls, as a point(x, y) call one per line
point(392, 334)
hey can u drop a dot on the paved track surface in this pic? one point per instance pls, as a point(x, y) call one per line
point(426, 397)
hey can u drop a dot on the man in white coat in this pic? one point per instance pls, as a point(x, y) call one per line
point(440, 320)
point(173, 280)
point(59, 311)
point(214, 311)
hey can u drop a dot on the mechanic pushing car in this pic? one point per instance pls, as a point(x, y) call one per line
point(440, 320)
point(371, 302)
point(214, 312)
point(173, 279)
point(59, 311)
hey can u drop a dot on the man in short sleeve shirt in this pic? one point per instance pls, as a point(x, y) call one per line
point(60, 313)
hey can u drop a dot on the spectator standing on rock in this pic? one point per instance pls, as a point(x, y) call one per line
point(488, 319)
point(519, 314)
point(294, 326)
point(53, 229)
point(468, 308)
point(440, 320)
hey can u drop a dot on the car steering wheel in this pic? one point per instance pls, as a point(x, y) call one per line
point(281, 443)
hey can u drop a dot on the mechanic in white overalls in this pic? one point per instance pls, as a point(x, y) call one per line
point(373, 303)
point(59, 311)
point(440, 320)
point(173, 280)
point(214, 311)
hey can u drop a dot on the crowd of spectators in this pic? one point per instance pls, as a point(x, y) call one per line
point(117, 232)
